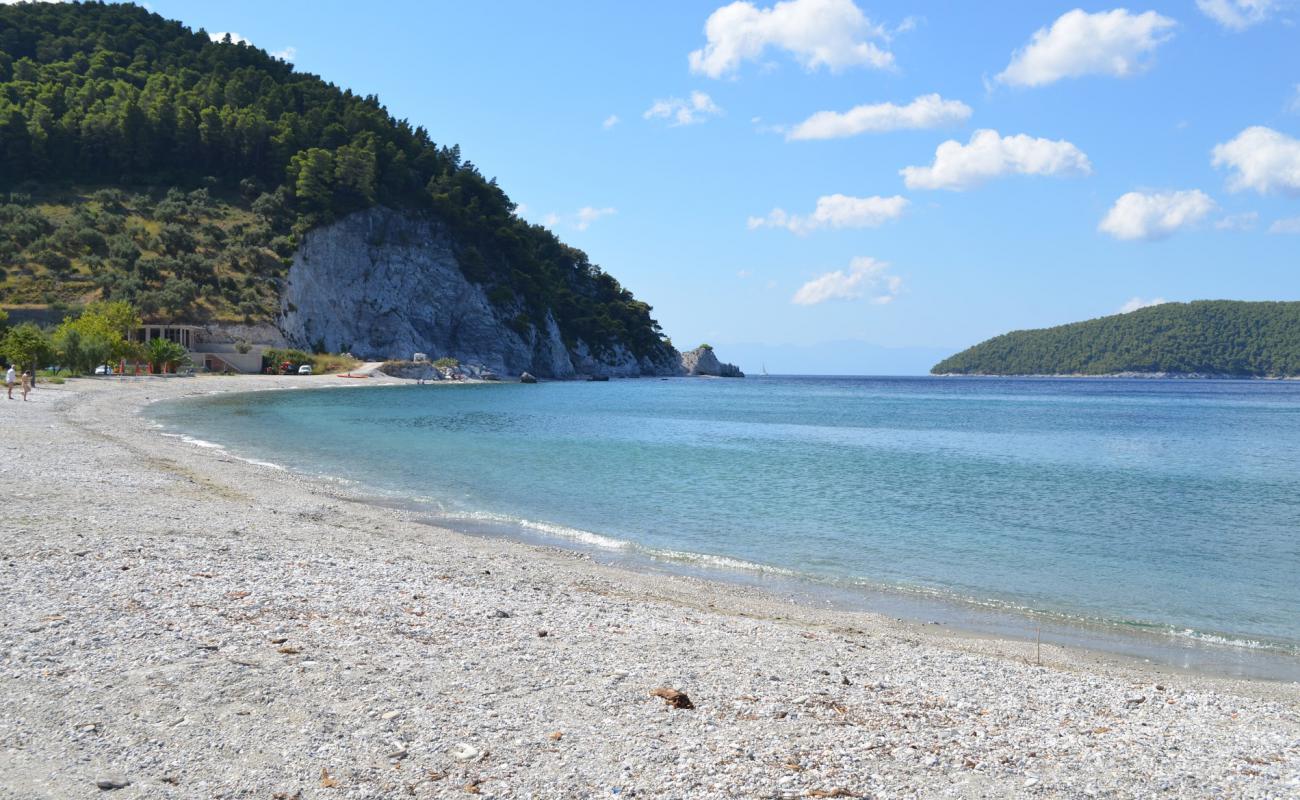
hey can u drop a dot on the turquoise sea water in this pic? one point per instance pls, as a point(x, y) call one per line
point(1165, 506)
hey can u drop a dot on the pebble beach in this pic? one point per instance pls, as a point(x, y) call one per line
point(178, 622)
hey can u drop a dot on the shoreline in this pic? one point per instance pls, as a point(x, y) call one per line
point(290, 558)
point(1165, 645)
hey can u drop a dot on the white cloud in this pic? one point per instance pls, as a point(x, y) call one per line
point(818, 33)
point(1135, 303)
point(864, 276)
point(1244, 221)
point(610, 121)
point(1155, 216)
point(836, 211)
point(928, 111)
point(587, 215)
point(1106, 43)
point(960, 166)
point(1237, 15)
point(1289, 225)
point(287, 54)
point(684, 112)
point(579, 220)
point(235, 38)
point(1264, 160)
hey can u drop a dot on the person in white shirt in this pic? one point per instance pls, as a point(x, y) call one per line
point(10, 378)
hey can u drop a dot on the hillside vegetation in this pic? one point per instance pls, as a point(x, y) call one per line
point(1207, 337)
point(142, 161)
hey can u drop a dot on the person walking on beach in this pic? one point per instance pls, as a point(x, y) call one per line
point(27, 384)
point(10, 377)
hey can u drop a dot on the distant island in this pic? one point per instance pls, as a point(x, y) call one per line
point(1205, 338)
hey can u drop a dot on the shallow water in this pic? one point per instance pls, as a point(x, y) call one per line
point(1161, 506)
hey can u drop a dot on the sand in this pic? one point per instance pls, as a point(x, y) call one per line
point(178, 622)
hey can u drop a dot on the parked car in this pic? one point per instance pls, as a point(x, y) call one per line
point(103, 369)
point(305, 369)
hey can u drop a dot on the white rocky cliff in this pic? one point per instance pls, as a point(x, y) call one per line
point(702, 361)
point(384, 284)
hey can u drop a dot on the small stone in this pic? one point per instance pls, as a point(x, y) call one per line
point(500, 614)
point(110, 782)
point(541, 634)
point(1135, 700)
point(387, 715)
point(398, 755)
point(673, 697)
point(557, 736)
point(465, 752)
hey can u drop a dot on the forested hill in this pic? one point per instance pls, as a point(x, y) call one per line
point(140, 160)
point(1206, 337)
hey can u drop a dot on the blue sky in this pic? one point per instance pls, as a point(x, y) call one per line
point(1100, 185)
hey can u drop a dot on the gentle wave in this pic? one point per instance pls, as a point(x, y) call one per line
point(205, 444)
point(728, 564)
point(610, 543)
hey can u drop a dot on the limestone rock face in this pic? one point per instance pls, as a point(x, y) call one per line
point(384, 284)
point(702, 361)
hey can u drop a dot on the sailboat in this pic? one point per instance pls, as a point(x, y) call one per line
point(764, 368)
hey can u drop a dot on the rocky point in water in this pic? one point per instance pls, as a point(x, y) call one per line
point(702, 361)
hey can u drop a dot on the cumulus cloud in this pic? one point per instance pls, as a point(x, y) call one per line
point(927, 111)
point(989, 155)
point(1288, 225)
point(1155, 216)
point(684, 112)
point(836, 211)
point(287, 54)
point(1262, 159)
point(1237, 15)
point(1113, 43)
point(865, 276)
point(1134, 303)
point(610, 121)
point(819, 33)
point(220, 36)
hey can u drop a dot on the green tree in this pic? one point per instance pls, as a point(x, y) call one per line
point(27, 346)
point(312, 173)
point(164, 353)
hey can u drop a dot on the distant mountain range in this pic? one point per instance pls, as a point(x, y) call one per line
point(840, 357)
point(1203, 338)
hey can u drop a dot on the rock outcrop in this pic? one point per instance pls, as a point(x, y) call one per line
point(411, 370)
point(702, 361)
point(384, 284)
